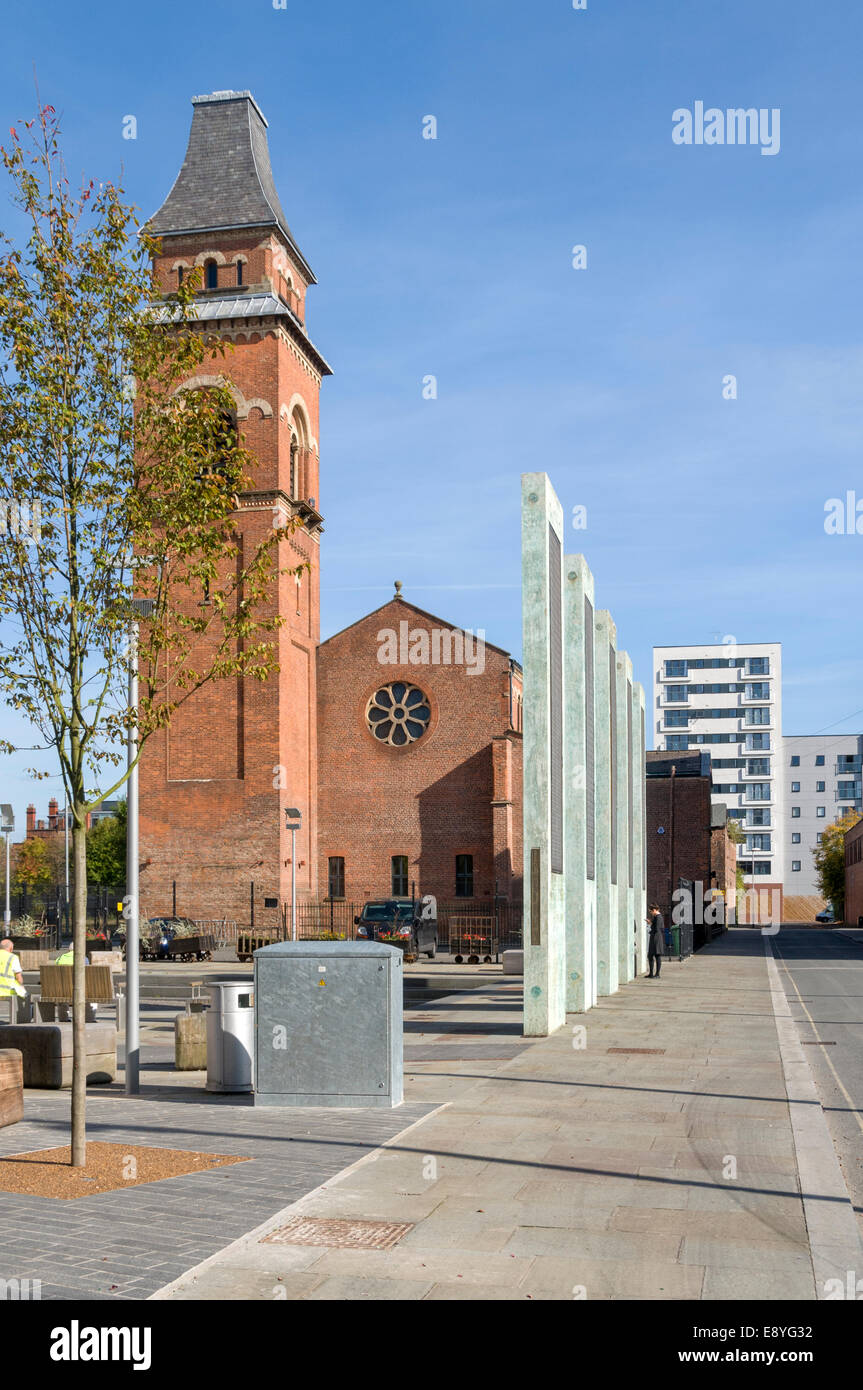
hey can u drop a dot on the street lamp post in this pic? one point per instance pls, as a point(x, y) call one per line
point(293, 821)
point(141, 608)
point(7, 825)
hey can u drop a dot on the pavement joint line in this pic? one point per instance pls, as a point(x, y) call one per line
point(293, 1209)
point(818, 1166)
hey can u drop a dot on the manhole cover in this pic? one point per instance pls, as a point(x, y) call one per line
point(352, 1235)
point(642, 1051)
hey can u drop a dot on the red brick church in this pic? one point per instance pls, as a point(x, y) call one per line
point(398, 739)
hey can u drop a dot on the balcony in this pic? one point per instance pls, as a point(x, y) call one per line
point(856, 789)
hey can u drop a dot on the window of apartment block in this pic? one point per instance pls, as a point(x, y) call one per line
point(795, 838)
point(677, 694)
point(795, 786)
point(758, 690)
point(795, 761)
point(845, 791)
point(336, 876)
point(676, 743)
point(758, 842)
point(795, 866)
point(758, 815)
point(464, 875)
point(821, 811)
point(818, 838)
point(756, 743)
point(795, 812)
point(819, 760)
point(758, 791)
point(759, 715)
point(820, 786)
point(758, 666)
point(676, 719)
point(399, 875)
point(758, 767)
point(675, 668)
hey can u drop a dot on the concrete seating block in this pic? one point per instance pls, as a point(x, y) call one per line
point(11, 1087)
point(190, 1042)
point(33, 960)
point(513, 962)
point(46, 1050)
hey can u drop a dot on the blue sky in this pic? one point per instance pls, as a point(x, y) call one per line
point(453, 258)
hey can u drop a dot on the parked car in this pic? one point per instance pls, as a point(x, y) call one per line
point(400, 917)
point(826, 916)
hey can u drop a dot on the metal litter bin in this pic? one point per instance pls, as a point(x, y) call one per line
point(230, 1036)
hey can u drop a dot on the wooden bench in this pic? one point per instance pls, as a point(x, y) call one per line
point(11, 1087)
point(55, 990)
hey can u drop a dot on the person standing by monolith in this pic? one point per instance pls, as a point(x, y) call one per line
point(654, 941)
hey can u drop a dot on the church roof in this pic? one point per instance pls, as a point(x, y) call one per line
point(245, 306)
point(405, 605)
point(226, 181)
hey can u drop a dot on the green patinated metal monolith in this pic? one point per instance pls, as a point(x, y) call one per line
point(544, 772)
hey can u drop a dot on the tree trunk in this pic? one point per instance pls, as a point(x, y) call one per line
point(79, 1006)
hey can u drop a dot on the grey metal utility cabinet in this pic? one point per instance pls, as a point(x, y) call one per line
point(328, 1024)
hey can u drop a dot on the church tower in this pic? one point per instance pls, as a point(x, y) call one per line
point(214, 787)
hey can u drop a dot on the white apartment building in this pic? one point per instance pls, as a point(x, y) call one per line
point(822, 781)
point(726, 700)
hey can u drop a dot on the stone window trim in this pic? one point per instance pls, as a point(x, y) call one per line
point(287, 412)
point(244, 406)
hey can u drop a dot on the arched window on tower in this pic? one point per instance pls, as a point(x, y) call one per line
point(223, 441)
point(179, 275)
point(300, 479)
point(211, 275)
point(239, 272)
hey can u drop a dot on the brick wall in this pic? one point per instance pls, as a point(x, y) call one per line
point(854, 875)
point(723, 858)
point(456, 790)
point(687, 852)
point(215, 786)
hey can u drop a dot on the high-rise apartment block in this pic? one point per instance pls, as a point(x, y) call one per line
point(784, 791)
point(726, 699)
point(822, 782)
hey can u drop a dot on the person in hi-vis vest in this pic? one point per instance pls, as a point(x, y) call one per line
point(11, 978)
point(67, 957)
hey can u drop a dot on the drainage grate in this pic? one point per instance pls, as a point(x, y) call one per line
point(641, 1051)
point(819, 1043)
point(351, 1235)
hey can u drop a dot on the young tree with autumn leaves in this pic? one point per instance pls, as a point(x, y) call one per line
point(115, 486)
point(830, 862)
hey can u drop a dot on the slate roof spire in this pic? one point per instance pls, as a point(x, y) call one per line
point(226, 181)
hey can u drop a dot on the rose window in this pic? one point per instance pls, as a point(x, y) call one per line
point(398, 714)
